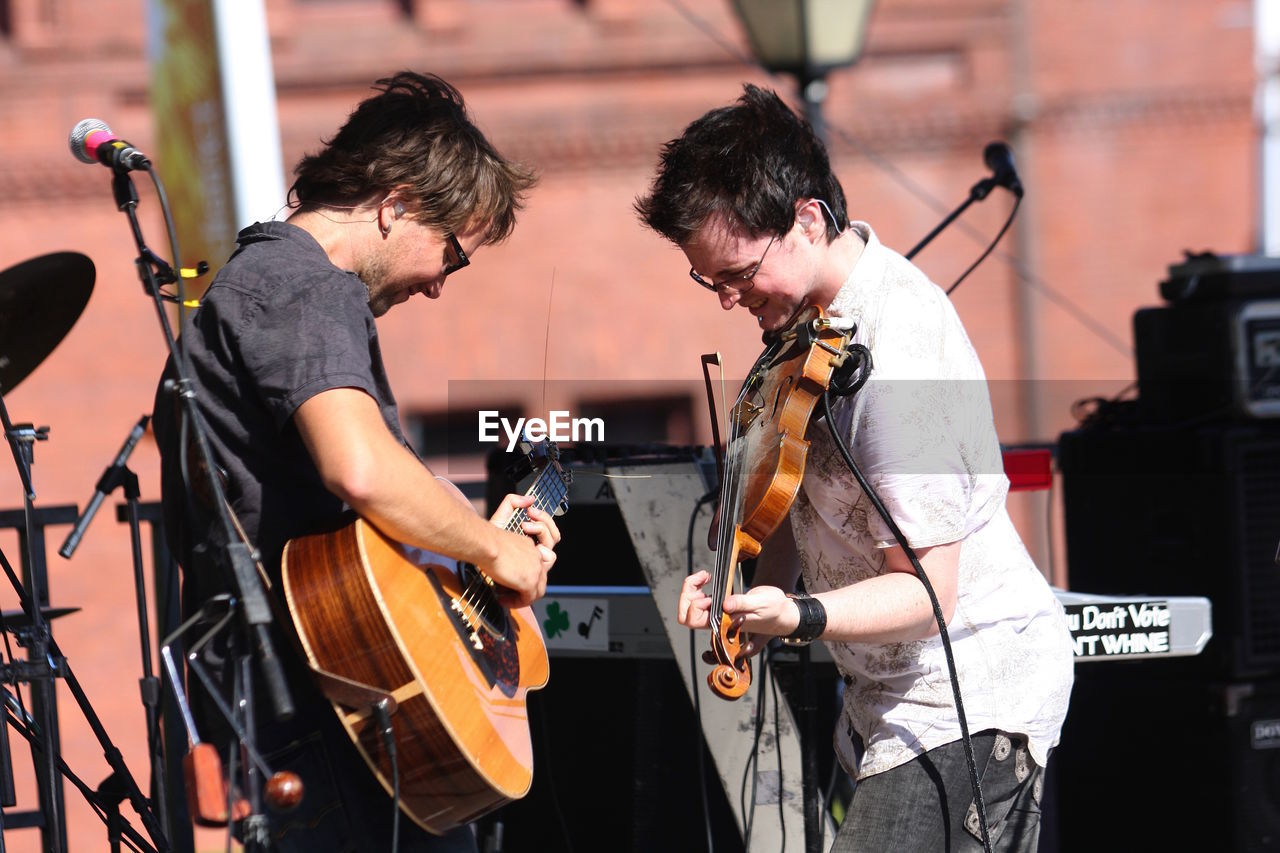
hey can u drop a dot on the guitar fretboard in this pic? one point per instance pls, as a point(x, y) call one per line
point(548, 490)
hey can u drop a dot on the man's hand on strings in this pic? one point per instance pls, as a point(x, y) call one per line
point(695, 605)
point(758, 614)
point(523, 561)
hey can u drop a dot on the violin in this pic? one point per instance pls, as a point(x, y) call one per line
point(763, 466)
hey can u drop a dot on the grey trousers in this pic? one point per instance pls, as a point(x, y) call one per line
point(927, 805)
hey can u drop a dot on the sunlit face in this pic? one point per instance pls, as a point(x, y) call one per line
point(415, 258)
point(725, 256)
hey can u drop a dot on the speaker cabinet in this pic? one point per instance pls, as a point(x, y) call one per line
point(616, 766)
point(1150, 760)
point(1155, 511)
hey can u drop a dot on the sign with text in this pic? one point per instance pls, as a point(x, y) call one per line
point(1119, 629)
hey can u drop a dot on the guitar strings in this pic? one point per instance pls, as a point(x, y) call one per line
point(478, 587)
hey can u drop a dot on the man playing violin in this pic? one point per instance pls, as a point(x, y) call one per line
point(284, 357)
point(748, 194)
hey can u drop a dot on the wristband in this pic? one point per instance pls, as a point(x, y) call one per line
point(813, 620)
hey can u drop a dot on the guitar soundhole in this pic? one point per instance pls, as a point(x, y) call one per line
point(483, 609)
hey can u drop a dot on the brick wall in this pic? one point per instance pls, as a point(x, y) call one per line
point(1131, 122)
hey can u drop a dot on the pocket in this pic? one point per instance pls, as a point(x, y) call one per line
point(1011, 787)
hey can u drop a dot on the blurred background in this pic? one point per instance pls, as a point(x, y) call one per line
point(1140, 131)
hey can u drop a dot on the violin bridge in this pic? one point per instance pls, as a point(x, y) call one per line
point(747, 412)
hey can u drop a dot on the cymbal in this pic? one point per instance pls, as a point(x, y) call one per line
point(40, 300)
point(16, 619)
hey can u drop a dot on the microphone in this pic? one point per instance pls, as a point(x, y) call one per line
point(91, 141)
point(106, 484)
point(999, 159)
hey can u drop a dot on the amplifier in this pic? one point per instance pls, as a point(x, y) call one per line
point(1207, 275)
point(1129, 736)
point(1208, 360)
point(1184, 512)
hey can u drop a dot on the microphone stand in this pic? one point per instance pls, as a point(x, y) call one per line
point(40, 667)
point(118, 475)
point(239, 558)
point(977, 192)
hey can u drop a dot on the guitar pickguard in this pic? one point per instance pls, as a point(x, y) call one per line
point(496, 656)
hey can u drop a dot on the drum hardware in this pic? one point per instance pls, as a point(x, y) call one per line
point(40, 301)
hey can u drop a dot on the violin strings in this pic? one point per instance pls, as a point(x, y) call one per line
point(729, 506)
point(730, 501)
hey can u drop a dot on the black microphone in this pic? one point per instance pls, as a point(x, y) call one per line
point(999, 159)
point(92, 141)
point(106, 484)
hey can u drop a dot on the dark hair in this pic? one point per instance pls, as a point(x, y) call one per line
point(416, 136)
point(750, 161)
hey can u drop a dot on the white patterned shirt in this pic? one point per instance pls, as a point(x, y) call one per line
point(922, 432)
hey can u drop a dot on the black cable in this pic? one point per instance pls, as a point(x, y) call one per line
point(937, 615)
point(1103, 411)
point(753, 760)
point(693, 667)
point(777, 749)
point(171, 232)
point(1017, 200)
point(383, 718)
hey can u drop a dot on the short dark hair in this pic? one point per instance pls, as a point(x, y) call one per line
point(751, 162)
point(415, 135)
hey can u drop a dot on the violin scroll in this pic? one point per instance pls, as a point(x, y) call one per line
point(731, 676)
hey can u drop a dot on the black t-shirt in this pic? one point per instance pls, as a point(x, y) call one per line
point(278, 325)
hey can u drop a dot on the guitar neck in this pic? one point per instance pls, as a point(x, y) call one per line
point(548, 492)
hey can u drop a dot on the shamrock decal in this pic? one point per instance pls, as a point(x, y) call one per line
point(557, 620)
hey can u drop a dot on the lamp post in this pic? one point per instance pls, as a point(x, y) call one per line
point(808, 39)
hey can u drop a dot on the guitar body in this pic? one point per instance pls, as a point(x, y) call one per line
point(382, 614)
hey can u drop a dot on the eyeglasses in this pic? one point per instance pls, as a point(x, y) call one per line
point(461, 259)
point(736, 284)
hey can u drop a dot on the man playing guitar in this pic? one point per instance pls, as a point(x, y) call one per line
point(283, 354)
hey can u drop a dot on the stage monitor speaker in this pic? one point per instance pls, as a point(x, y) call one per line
point(617, 752)
point(1158, 511)
point(1148, 762)
point(616, 766)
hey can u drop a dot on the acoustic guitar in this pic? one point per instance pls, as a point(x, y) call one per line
point(393, 630)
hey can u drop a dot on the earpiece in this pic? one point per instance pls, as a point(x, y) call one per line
point(399, 209)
